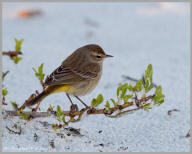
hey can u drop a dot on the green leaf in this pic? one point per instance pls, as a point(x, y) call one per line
point(158, 91)
point(94, 102)
point(63, 119)
point(39, 74)
point(51, 107)
point(36, 73)
point(113, 101)
point(119, 89)
point(150, 72)
point(107, 105)
point(146, 107)
point(18, 44)
point(159, 96)
point(143, 96)
point(124, 90)
point(40, 69)
point(130, 87)
point(14, 105)
point(100, 98)
point(59, 111)
point(125, 99)
point(150, 87)
point(148, 78)
point(138, 86)
point(25, 116)
point(16, 59)
point(4, 92)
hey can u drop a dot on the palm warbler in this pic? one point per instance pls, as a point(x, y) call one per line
point(77, 75)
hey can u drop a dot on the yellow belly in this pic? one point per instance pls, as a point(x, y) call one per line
point(60, 88)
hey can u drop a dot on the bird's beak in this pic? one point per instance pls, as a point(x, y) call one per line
point(107, 56)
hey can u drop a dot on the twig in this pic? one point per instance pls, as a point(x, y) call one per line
point(68, 113)
point(4, 74)
point(130, 78)
point(52, 144)
point(14, 132)
point(120, 114)
point(72, 114)
point(80, 113)
point(188, 134)
point(11, 54)
point(169, 112)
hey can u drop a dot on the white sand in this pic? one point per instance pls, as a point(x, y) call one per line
point(136, 34)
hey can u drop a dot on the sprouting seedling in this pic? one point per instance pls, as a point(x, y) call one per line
point(39, 73)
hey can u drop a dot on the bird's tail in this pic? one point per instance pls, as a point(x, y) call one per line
point(45, 93)
point(38, 98)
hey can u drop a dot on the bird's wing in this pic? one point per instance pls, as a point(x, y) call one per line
point(67, 75)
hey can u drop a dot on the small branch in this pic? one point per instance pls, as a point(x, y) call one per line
point(4, 74)
point(188, 134)
point(120, 114)
point(169, 112)
point(73, 113)
point(68, 113)
point(130, 78)
point(11, 54)
point(13, 132)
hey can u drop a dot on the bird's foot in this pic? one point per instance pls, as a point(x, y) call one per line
point(74, 108)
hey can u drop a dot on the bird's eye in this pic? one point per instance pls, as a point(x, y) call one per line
point(98, 56)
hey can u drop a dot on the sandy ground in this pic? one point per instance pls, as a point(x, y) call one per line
point(136, 34)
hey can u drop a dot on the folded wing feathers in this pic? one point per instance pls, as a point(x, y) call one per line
point(66, 75)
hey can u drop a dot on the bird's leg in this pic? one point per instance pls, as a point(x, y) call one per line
point(82, 102)
point(73, 107)
point(37, 107)
point(38, 104)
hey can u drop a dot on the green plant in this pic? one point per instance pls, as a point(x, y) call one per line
point(129, 93)
point(18, 44)
point(39, 73)
point(96, 101)
point(60, 115)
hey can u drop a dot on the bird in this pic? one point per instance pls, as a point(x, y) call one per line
point(77, 75)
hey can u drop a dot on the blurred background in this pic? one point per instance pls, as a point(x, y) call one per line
point(136, 34)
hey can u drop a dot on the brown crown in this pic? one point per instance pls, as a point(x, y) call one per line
point(95, 48)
